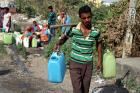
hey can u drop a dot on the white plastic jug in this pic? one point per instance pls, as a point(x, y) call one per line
point(26, 42)
point(18, 39)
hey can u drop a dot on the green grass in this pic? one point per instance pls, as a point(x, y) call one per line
point(2, 50)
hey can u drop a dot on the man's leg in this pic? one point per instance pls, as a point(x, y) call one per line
point(76, 78)
point(52, 30)
point(87, 74)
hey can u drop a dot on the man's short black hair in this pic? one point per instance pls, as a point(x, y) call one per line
point(7, 8)
point(84, 9)
point(50, 7)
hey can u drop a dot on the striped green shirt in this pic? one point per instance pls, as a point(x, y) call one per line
point(82, 47)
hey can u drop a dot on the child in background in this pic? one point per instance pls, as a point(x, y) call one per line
point(35, 26)
point(45, 33)
point(28, 33)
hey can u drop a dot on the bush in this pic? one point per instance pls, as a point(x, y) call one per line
point(65, 47)
point(30, 11)
point(131, 84)
point(49, 48)
point(17, 28)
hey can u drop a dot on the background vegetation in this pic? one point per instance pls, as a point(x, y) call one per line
point(2, 50)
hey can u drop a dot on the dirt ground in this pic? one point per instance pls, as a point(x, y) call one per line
point(33, 81)
point(30, 76)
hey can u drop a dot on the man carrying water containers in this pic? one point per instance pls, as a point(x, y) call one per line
point(81, 56)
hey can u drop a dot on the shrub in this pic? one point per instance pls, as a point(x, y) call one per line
point(48, 49)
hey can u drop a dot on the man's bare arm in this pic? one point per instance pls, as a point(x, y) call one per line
point(99, 47)
point(61, 41)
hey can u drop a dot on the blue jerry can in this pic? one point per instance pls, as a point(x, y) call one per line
point(56, 67)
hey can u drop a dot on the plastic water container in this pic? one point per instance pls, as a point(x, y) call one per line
point(34, 42)
point(109, 65)
point(16, 34)
point(18, 38)
point(56, 67)
point(26, 42)
point(7, 38)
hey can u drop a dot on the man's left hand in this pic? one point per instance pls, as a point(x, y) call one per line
point(99, 66)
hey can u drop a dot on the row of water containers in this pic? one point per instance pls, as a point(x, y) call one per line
point(9, 38)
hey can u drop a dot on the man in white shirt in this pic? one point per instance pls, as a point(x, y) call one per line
point(7, 20)
point(64, 19)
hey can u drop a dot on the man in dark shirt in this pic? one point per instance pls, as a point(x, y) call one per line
point(51, 19)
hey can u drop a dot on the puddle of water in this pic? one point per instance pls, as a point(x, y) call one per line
point(21, 86)
point(4, 71)
point(21, 64)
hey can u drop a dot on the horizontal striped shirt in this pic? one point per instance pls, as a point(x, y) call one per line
point(82, 47)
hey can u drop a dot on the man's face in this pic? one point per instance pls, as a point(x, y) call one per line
point(49, 10)
point(62, 14)
point(86, 19)
point(35, 23)
point(45, 25)
point(5, 11)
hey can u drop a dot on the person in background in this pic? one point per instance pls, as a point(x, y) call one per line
point(51, 19)
point(1, 17)
point(64, 19)
point(7, 20)
point(28, 33)
point(35, 27)
point(45, 33)
point(81, 56)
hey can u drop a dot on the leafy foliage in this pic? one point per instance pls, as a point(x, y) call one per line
point(131, 84)
point(48, 49)
point(2, 50)
point(24, 6)
point(17, 27)
point(30, 11)
point(65, 47)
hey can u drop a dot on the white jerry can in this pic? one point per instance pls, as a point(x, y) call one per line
point(26, 42)
point(18, 39)
point(15, 34)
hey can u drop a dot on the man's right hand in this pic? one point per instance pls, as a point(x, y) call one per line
point(56, 47)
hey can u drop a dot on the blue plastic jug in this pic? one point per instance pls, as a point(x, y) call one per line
point(56, 67)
